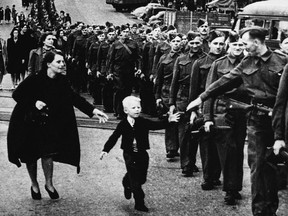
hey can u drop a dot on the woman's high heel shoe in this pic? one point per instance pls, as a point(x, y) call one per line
point(35, 196)
point(53, 195)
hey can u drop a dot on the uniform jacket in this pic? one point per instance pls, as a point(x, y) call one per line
point(164, 75)
point(260, 77)
point(199, 73)
point(280, 110)
point(61, 130)
point(219, 68)
point(179, 90)
point(79, 48)
point(140, 133)
point(120, 61)
point(162, 48)
point(102, 57)
point(92, 55)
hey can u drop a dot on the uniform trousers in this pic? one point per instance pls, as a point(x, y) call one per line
point(263, 174)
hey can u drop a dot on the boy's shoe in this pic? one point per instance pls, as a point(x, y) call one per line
point(141, 207)
point(127, 192)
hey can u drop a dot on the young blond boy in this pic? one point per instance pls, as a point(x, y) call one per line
point(135, 141)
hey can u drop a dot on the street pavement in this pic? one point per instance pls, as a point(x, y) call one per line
point(97, 190)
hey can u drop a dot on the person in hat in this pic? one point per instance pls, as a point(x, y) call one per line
point(124, 59)
point(260, 73)
point(200, 69)
point(225, 113)
point(178, 100)
point(102, 55)
point(203, 29)
point(162, 84)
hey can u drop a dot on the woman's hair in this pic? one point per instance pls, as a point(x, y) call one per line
point(14, 29)
point(48, 58)
point(43, 38)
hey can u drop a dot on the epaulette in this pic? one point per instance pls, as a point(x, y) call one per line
point(280, 53)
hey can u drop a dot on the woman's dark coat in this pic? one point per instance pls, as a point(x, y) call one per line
point(26, 142)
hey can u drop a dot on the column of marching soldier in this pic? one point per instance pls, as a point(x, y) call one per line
point(168, 70)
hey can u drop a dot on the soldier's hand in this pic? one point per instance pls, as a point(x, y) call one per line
point(194, 103)
point(89, 72)
point(172, 108)
point(207, 126)
point(159, 102)
point(193, 116)
point(278, 144)
point(98, 74)
point(103, 154)
point(174, 117)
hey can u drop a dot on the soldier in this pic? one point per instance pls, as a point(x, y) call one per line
point(107, 92)
point(163, 83)
point(200, 69)
point(124, 60)
point(224, 112)
point(79, 58)
point(179, 94)
point(260, 73)
point(96, 80)
point(203, 29)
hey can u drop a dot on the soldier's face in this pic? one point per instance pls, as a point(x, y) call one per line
point(217, 45)
point(195, 44)
point(204, 29)
point(101, 37)
point(125, 33)
point(175, 43)
point(284, 45)
point(111, 36)
point(250, 44)
point(236, 48)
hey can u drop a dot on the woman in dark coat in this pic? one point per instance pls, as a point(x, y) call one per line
point(55, 137)
point(15, 56)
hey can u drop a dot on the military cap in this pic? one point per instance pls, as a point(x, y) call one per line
point(192, 35)
point(256, 29)
point(200, 22)
point(233, 37)
point(215, 34)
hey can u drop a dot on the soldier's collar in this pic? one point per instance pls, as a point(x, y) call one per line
point(232, 58)
point(264, 57)
point(191, 54)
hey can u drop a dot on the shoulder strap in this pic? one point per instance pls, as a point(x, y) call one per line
point(126, 47)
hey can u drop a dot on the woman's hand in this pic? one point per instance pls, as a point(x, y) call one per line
point(103, 154)
point(40, 105)
point(100, 115)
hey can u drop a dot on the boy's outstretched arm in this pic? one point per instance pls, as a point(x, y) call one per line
point(103, 154)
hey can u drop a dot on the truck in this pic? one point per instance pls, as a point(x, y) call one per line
point(129, 5)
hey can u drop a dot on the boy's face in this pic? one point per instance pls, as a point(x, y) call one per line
point(133, 109)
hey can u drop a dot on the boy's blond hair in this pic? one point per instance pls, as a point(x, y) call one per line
point(127, 100)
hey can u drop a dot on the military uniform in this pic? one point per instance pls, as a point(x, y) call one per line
point(229, 142)
point(208, 152)
point(179, 95)
point(260, 77)
point(163, 83)
point(122, 65)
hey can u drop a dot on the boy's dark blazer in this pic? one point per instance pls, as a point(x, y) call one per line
point(140, 132)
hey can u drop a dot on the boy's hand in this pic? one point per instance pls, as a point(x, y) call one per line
point(174, 117)
point(103, 154)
